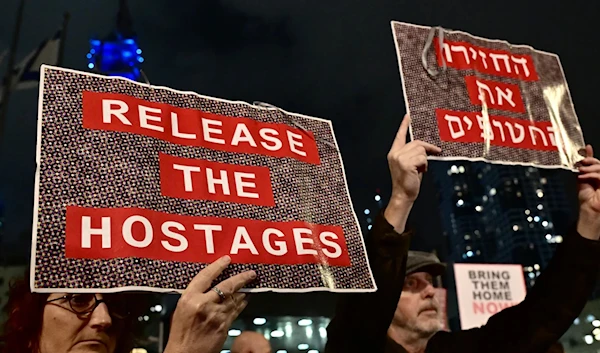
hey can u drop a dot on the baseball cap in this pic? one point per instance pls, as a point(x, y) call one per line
point(419, 261)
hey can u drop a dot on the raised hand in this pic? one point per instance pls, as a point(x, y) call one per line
point(589, 196)
point(407, 162)
point(203, 315)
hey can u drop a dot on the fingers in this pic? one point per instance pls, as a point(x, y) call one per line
point(232, 285)
point(589, 176)
point(414, 148)
point(589, 151)
point(400, 139)
point(204, 278)
point(589, 168)
point(233, 302)
point(588, 161)
point(238, 310)
point(429, 148)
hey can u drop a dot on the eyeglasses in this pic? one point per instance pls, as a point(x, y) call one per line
point(85, 304)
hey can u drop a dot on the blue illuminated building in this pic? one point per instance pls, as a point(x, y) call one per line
point(118, 54)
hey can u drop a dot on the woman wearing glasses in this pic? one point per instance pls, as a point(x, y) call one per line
point(91, 322)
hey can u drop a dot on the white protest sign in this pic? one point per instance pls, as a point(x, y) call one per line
point(484, 290)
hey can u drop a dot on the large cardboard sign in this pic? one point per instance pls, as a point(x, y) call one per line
point(487, 100)
point(139, 187)
point(484, 290)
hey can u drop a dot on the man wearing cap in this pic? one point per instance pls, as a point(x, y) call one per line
point(403, 314)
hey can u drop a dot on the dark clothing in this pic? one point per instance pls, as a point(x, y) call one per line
point(551, 306)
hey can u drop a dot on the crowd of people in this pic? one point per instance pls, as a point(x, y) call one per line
point(403, 315)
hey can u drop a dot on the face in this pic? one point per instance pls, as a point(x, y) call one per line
point(64, 331)
point(251, 342)
point(418, 310)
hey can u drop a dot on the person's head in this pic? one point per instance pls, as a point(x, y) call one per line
point(418, 309)
point(250, 342)
point(68, 323)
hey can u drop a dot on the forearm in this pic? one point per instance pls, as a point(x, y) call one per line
point(397, 211)
point(550, 307)
point(362, 320)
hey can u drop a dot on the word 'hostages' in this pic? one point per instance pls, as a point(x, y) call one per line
point(104, 233)
point(473, 127)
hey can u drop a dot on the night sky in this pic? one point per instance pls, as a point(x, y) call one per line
point(330, 59)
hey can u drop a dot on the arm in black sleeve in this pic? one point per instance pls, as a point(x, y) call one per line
point(547, 312)
point(362, 320)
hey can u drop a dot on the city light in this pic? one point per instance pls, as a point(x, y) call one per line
point(461, 169)
point(234, 332)
point(281, 351)
point(469, 253)
point(304, 346)
point(460, 203)
point(540, 193)
point(369, 226)
point(577, 321)
point(537, 267)
point(527, 212)
point(377, 198)
point(548, 236)
point(529, 219)
point(515, 227)
point(545, 223)
point(540, 207)
point(492, 191)
point(158, 308)
point(323, 332)
point(536, 218)
point(313, 351)
point(304, 322)
point(467, 237)
point(259, 321)
point(140, 350)
point(454, 169)
point(309, 332)
point(146, 318)
point(225, 351)
point(367, 211)
point(478, 208)
point(277, 333)
point(589, 339)
point(590, 318)
point(596, 323)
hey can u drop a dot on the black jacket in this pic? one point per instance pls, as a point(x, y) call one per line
point(551, 306)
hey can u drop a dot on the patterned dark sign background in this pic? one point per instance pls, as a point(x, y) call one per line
point(139, 187)
point(487, 100)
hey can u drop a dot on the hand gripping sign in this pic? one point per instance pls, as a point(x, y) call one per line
point(487, 100)
point(139, 187)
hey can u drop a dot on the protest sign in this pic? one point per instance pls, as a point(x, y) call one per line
point(139, 187)
point(487, 100)
point(484, 290)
